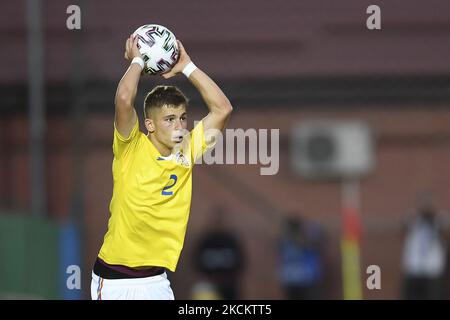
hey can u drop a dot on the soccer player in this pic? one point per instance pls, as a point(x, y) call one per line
point(152, 176)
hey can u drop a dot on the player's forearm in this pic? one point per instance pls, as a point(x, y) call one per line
point(213, 96)
point(127, 88)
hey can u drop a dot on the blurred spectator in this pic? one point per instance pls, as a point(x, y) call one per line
point(204, 290)
point(301, 260)
point(424, 256)
point(219, 256)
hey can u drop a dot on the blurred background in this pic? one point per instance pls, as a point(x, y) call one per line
point(364, 147)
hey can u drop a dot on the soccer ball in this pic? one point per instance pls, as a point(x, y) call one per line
point(158, 47)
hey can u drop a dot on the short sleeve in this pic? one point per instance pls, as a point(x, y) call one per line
point(122, 145)
point(198, 142)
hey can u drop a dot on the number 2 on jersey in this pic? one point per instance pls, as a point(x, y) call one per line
point(164, 190)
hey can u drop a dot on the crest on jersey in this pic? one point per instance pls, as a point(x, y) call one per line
point(181, 159)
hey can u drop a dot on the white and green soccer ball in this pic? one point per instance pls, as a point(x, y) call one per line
point(158, 47)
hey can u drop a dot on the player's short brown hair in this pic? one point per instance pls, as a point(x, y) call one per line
point(161, 96)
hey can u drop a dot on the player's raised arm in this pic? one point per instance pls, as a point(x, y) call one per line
point(218, 104)
point(125, 116)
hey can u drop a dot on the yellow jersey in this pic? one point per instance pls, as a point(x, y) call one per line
point(151, 200)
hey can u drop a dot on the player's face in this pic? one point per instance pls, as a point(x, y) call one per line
point(170, 125)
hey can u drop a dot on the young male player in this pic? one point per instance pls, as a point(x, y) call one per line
point(152, 176)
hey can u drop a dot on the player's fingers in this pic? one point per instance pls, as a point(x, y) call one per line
point(135, 41)
point(167, 75)
point(127, 45)
point(180, 46)
point(130, 42)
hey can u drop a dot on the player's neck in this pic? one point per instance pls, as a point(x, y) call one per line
point(162, 149)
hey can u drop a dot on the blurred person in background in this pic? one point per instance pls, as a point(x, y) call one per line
point(300, 259)
point(219, 256)
point(204, 290)
point(424, 255)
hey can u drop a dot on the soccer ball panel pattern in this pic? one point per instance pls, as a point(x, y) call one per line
point(158, 47)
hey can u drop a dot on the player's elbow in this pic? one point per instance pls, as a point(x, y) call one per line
point(222, 112)
point(226, 108)
point(123, 99)
point(229, 108)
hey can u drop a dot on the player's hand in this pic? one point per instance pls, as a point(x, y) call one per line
point(131, 48)
point(182, 62)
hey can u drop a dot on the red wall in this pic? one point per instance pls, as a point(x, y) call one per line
point(412, 155)
point(244, 39)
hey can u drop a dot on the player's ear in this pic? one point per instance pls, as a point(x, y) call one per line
point(149, 125)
